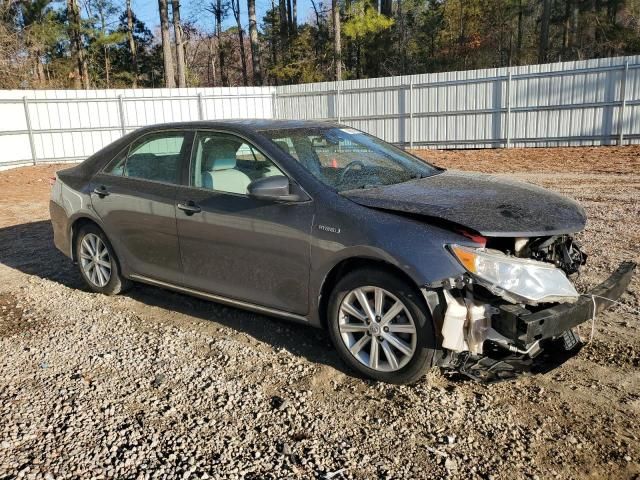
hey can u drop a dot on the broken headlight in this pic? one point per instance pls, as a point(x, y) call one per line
point(518, 280)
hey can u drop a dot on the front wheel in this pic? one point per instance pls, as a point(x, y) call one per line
point(380, 326)
point(98, 262)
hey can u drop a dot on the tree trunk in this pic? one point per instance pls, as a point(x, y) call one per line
point(573, 26)
point(223, 74)
point(132, 46)
point(295, 16)
point(78, 52)
point(105, 48)
point(107, 67)
point(177, 30)
point(212, 64)
point(520, 33)
point(169, 79)
point(255, 46)
point(403, 46)
point(543, 51)
point(235, 5)
point(284, 23)
point(337, 45)
point(274, 47)
point(348, 55)
point(565, 26)
point(39, 72)
point(289, 18)
point(385, 8)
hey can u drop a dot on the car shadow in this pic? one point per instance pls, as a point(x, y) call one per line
point(29, 248)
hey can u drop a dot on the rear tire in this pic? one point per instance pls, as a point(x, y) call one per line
point(97, 261)
point(396, 320)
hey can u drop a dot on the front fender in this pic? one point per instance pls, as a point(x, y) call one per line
point(416, 248)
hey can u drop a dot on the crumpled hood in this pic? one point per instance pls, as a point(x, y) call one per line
point(492, 206)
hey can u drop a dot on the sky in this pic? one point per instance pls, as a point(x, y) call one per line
point(195, 11)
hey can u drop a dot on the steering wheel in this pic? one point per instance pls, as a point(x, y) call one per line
point(347, 169)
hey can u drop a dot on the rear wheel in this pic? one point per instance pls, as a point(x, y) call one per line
point(380, 326)
point(98, 262)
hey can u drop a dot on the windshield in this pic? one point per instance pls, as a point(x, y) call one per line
point(347, 159)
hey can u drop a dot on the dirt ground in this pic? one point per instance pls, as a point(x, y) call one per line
point(154, 383)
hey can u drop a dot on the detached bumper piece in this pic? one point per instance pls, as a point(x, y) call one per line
point(524, 327)
point(550, 328)
point(498, 366)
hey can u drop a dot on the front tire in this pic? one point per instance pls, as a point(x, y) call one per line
point(381, 327)
point(97, 261)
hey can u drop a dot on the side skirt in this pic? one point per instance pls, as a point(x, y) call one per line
point(224, 300)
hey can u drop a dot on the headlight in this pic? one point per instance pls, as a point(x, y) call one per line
point(516, 279)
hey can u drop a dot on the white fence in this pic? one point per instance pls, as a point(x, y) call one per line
point(69, 125)
point(593, 102)
point(589, 102)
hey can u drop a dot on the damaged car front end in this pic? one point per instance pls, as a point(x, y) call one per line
point(515, 308)
point(514, 302)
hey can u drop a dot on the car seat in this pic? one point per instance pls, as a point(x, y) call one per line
point(219, 168)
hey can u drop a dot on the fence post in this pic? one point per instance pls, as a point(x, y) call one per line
point(411, 114)
point(338, 100)
point(623, 102)
point(274, 106)
point(121, 111)
point(27, 117)
point(508, 117)
point(200, 107)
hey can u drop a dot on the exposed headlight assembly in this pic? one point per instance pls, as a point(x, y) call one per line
point(518, 280)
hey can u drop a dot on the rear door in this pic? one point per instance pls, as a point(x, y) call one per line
point(237, 246)
point(135, 199)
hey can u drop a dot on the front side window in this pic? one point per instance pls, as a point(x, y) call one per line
point(154, 157)
point(226, 163)
point(346, 159)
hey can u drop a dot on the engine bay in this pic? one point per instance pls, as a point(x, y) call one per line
point(560, 250)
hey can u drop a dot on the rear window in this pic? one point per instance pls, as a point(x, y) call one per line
point(155, 157)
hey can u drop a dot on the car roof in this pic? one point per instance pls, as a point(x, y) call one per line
point(250, 125)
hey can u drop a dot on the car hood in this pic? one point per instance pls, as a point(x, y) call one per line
point(489, 205)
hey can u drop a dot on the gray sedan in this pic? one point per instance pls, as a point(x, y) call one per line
point(407, 265)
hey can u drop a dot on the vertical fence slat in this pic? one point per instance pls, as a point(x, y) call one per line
point(274, 104)
point(623, 102)
point(507, 124)
point(338, 100)
point(123, 125)
point(200, 107)
point(411, 114)
point(27, 117)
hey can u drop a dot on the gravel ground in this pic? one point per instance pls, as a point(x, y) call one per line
point(155, 384)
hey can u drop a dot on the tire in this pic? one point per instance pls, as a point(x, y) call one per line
point(417, 349)
point(106, 279)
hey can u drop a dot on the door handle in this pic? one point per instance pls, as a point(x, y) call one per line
point(189, 207)
point(101, 191)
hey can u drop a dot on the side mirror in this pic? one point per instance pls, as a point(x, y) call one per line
point(276, 187)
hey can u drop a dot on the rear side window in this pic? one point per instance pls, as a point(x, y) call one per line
point(155, 157)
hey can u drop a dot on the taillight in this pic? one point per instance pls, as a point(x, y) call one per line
point(52, 181)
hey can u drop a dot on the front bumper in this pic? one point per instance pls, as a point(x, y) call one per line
point(524, 327)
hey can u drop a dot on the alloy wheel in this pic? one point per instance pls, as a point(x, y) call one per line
point(377, 328)
point(95, 260)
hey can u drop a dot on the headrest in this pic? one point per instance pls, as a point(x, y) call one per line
point(283, 145)
point(221, 155)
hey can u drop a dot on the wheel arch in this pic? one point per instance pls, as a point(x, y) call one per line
point(348, 265)
point(76, 226)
